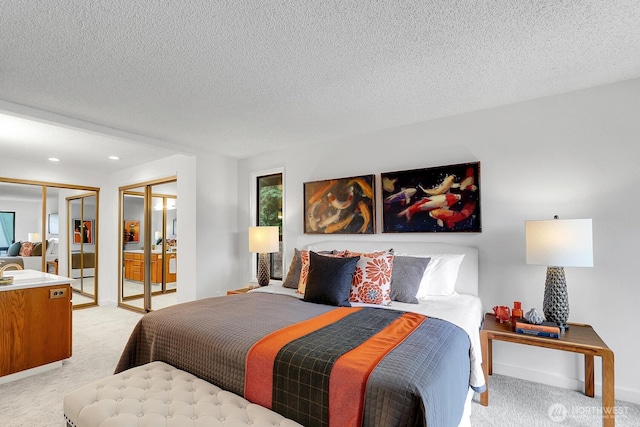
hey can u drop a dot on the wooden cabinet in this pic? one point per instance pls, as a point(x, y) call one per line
point(134, 267)
point(35, 327)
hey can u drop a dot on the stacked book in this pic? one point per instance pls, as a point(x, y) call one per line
point(544, 329)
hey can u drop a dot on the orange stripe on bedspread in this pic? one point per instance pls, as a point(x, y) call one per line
point(258, 384)
point(348, 379)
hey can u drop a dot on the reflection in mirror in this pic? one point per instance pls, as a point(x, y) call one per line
point(132, 248)
point(45, 227)
point(164, 256)
point(82, 237)
point(21, 225)
point(160, 246)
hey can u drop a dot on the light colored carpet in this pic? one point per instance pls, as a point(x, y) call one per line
point(100, 333)
point(515, 402)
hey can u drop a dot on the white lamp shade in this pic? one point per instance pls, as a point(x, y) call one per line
point(34, 237)
point(560, 243)
point(157, 235)
point(263, 239)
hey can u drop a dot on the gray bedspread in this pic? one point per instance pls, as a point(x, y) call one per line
point(423, 381)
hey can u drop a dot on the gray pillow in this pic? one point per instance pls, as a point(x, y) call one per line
point(329, 280)
point(406, 276)
point(14, 249)
point(293, 276)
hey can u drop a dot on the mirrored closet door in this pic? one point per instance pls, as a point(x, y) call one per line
point(149, 249)
point(82, 215)
point(37, 230)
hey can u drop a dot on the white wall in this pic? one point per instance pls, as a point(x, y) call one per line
point(28, 216)
point(207, 203)
point(179, 165)
point(216, 225)
point(575, 155)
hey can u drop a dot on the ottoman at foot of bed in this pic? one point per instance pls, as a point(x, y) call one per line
point(158, 394)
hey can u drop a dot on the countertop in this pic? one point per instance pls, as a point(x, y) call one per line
point(141, 251)
point(24, 279)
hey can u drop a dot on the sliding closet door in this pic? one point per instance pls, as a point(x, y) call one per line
point(149, 246)
point(132, 254)
point(82, 260)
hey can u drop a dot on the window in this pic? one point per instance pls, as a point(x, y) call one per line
point(269, 213)
point(7, 229)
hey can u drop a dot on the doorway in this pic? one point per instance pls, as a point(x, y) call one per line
point(149, 245)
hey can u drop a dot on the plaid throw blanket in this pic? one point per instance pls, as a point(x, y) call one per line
point(315, 372)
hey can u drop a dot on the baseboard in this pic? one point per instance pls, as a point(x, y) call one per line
point(29, 372)
point(626, 395)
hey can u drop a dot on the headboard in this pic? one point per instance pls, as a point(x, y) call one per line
point(467, 282)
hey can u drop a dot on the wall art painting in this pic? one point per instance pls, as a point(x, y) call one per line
point(340, 206)
point(131, 231)
point(437, 199)
point(83, 231)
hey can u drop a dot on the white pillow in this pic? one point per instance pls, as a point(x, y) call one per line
point(440, 276)
point(52, 248)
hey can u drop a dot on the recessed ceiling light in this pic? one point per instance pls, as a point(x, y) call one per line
point(54, 159)
point(114, 158)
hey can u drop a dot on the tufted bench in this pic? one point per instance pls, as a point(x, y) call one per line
point(160, 395)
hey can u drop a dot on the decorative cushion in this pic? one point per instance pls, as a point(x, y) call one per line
point(304, 268)
point(372, 279)
point(26, 249)
point(37, 249)
point(52, 247)
point(14, 249)
point(440, 276)
point(293, 276)
point(406, 277)
point(329, 279)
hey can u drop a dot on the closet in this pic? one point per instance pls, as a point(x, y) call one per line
point(149, 245)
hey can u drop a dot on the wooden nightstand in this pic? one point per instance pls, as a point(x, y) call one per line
point(242, 290)
point(578, 338)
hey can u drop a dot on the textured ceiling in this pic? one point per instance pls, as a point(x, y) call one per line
point(240, 77)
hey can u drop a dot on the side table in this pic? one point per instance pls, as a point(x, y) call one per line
point(579, 338)
point(241, 290)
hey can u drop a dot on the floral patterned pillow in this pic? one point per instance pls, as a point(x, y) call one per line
point(304, 269)
point(26, 249)
point(371, 282)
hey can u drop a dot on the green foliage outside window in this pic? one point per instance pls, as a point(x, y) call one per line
point(270, 203)
point(270, 214)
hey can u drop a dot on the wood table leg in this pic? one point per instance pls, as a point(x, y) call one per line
point(589, 388)
point(608, 390)
point(485, 344)
point(490, 356)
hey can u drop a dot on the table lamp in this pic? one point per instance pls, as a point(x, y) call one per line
point(557, 244)
point(33, 237)
point(263, 240)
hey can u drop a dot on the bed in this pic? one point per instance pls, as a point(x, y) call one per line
point(33, 261)
point(425, 377)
